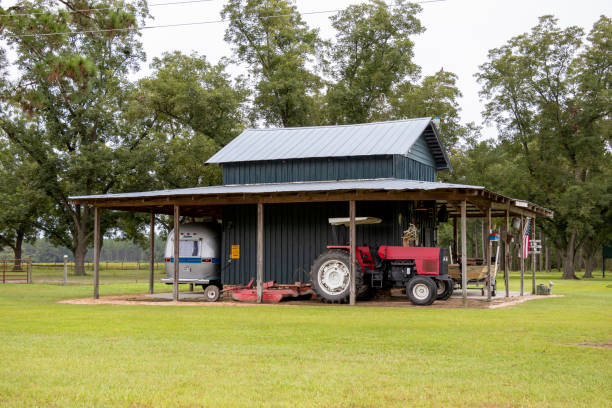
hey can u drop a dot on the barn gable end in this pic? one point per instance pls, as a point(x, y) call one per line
point(408, 149)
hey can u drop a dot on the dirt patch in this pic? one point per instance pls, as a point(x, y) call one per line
point(596, 345)
point(390, 301)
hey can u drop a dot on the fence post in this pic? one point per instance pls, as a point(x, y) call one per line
point(4, 271)
point(65, 270)
point(29, 269)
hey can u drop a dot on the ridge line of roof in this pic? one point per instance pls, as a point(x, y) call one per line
point(345, 125)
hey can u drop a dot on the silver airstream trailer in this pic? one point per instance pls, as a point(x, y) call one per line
point(199, 258)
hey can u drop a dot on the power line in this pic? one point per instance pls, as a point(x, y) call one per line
point(104, 8)
point(187, 24)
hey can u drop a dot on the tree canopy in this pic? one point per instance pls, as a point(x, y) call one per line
point(75, 121)
point(277, 46)
point(549, 96)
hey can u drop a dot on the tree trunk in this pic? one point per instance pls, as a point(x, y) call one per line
point(547, 260)
point(568, 261)
point(79, 252)
point(559, 262)
point(17, 249)
point(588, 267)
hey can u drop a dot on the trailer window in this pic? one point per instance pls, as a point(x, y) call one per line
point(189, 248)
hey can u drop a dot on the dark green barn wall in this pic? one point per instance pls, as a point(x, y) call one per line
point(409, 169)
point(344, 168)
point(295, 234)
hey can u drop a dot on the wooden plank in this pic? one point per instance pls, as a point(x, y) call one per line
point(96, 253)
point(474, 272)
point(533, 260)
point(464, 253)
point(352, 239)
point(507, 255)
point(488, 245)
point(455, 239)
point(151, 252)
point(260, 249)
point(177, 237)
point(522, 256)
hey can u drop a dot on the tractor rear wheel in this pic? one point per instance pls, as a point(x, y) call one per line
point(330, 275)
point(421, 290)
point(444, 289)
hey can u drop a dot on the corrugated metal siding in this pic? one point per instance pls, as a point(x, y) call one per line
point(409, 169)
point(295, 234)
point(380, 138)
point(284, 171)
point(239, 228)
point(421, 152)
point(347, 168)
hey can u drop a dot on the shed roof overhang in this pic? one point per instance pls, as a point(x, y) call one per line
point(202, 201)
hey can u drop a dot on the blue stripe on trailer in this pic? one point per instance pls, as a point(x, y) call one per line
point(187, 260)
point(216, 260)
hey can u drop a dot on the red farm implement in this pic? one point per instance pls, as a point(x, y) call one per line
point(271, 293)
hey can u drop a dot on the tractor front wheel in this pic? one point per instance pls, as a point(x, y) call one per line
point(331, 277)
point(444, 289)
point(421, 291)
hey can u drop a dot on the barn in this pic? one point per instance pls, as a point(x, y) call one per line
point(280, 187)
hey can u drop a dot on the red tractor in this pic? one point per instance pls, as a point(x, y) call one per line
point(422, 271)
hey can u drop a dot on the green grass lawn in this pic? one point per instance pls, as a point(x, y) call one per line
point(59, 355)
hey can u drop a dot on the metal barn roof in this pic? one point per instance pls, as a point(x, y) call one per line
point(314, 186)
point(161, 201)
point(379, 138)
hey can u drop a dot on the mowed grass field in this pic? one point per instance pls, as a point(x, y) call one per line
point(60, 355)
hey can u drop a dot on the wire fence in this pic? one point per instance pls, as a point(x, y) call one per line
point(53, 272)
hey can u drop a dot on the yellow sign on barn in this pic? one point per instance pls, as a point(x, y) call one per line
point(235, 251)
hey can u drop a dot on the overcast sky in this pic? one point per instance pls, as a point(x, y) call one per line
point(458, 33)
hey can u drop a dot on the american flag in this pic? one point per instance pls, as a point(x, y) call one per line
point(526, 233)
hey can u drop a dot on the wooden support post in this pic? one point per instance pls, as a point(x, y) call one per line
point(455, 240)
point(177, 238)
point(260, 249)
point(541, 250)
point(522, 254)
point(464, 252)
point(507, 255)
point(547, 259)
point(352, 239)
point(151, 252)
point(488, 252)
point(483, 242)
point(96, 257)
point(533, 261)
point(29, 266)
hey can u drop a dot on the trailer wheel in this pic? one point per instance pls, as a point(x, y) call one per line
point(211, 293)
point(445, 289)
point(421, 290)
point(330, 277)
